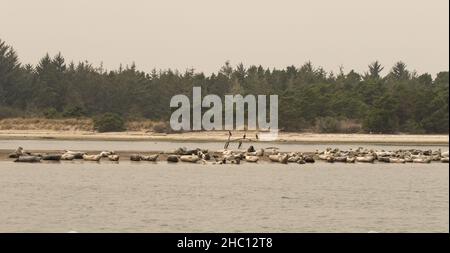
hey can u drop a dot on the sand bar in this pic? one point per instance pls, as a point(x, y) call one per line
point(209, 136)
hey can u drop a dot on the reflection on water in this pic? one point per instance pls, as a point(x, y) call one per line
point(149, 197)
point(165, 146)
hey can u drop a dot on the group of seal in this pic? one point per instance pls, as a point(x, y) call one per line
point(369, 156)
point(250, 155)
point(21, 155)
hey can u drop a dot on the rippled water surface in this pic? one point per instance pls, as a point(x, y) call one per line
point(148, 197)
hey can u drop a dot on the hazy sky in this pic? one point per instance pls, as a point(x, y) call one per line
point(203, 34)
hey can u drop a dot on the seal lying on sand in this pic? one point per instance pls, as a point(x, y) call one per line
point(28, 159)
point(51, 157)
point(365, 159)
point(422, 160)
point(106, 153)
point(252, 159)
point(76, 154)
point(67, 157)
point(279, 158)
point(113, 158)
point(18, 152)
point(172, 158)
point(189, 158)
point(135, 157)
point(93, 158)
point(150, 158)
point(397, 160)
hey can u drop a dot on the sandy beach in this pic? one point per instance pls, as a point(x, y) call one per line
point(207, 136)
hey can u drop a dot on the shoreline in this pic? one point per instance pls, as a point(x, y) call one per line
point(222, 136)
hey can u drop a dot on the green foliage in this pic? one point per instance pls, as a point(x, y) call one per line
point(380, 121)
point(8, 112)
point(309, 97)
point(327, 125)
point(382, 117)
point(336, 125)
point(412, 126)
point(73, 112)
point(51, 113)
point(109, 122)
point(375, 69)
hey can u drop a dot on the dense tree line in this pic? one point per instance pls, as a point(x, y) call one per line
point(309, 97)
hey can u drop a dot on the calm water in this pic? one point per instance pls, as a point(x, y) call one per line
point(147, 197)
point(165, 146)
